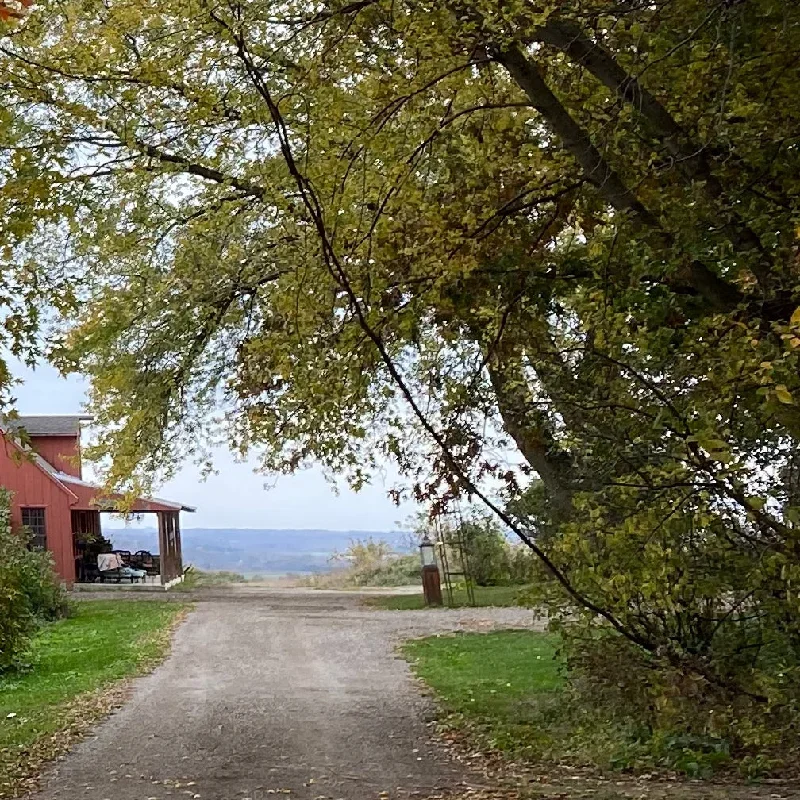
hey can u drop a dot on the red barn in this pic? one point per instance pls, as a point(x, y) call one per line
point(51, 498)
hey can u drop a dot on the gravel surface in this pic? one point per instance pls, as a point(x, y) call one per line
point(276, 691)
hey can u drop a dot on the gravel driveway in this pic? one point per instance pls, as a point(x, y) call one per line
point(271, 691)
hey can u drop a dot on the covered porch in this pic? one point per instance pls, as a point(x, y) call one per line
point(164, 568)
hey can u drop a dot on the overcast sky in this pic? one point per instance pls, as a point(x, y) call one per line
point(236, 497)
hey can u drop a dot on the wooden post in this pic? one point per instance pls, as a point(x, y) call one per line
point(169, 543)
point(170, 546)
point(162, 546)
point(431, 585)
point(178, 546)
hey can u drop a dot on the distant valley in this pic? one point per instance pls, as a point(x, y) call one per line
point(255, 551)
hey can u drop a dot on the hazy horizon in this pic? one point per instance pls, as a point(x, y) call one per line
point(314, 529)
point(259, 550)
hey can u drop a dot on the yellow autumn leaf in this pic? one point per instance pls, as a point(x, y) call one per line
point(795, 318)
point(783, 394)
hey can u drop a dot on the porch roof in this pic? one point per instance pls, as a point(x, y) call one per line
point(92, 498)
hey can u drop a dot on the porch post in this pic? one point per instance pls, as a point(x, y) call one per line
point(170, 520)
point(178, 546)
point(162, 547)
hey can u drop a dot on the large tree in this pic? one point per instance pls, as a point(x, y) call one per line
point(438, 232)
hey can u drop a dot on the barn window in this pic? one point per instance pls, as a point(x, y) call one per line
point(33, 519)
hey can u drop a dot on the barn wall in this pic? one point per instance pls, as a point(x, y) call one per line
point(33, 487)
point(63, 452)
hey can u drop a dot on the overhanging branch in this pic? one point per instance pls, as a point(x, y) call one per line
point(339, 274)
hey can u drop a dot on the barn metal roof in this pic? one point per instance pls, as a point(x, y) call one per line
point(51, 424)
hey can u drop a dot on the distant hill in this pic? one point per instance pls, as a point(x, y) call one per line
point(257, 551)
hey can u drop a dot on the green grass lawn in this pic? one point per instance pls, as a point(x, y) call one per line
point(71, 659)
point(500, 686)
point(484, 596)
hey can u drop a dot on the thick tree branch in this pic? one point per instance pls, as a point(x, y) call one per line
point(690, 158)
point(718, 293)
point(577, 141)
point(529, 427)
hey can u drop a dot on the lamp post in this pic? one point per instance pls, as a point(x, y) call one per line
point(431, 584)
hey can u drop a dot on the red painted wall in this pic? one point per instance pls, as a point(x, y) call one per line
point(63, 452)
point(33, 487)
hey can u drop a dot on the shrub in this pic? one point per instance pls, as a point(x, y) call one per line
point(30, 592)
point(522, 564)
point(627, 708)
point(374, 563)
point(697, 650)
point(396, 570)
point(370, 563)
point(492, 559)
point(485, 548)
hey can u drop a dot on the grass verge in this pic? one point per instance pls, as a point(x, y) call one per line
point(501, 702)
point(496, 686)
point(76, 675)
point(484, 596)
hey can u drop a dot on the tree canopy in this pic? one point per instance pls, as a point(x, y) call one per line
point(434, 232)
